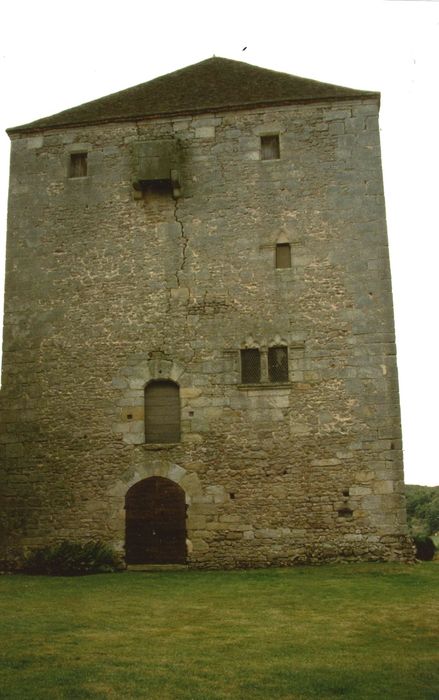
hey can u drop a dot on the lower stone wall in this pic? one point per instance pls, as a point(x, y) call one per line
point(274, 553)
point(262, 523)
point(322, 551)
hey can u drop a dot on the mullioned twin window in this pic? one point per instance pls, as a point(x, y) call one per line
point(259, 367)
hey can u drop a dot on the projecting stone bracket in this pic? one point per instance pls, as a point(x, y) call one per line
point(156, 167)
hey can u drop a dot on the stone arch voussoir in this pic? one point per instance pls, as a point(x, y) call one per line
point(188, 481)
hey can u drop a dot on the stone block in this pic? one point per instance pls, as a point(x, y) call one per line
point(181, 125)
point(198, 122)
point(383, 487)
point(191, 484)
point(134, 438)
point(229, 518)
point(35, 142)
point(119, 383)
point(202, 499)
point(190, 393)
point(180, 294)
point(205, 132)
point(267, 533)
point(336, 128)
point(198, 545)
point(218, 494)
point(337, 114)
point(176, 473)
point(252, 155)
point(136, 383)
point(300, 429)
point(196, 522)
point(121, 427)
point(359, 490)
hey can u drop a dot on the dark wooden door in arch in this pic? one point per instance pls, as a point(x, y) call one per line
point(155, 522)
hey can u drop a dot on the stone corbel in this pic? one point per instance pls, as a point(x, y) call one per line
point(176, 183)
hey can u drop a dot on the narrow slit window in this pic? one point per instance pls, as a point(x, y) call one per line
point(278, 364)
point(270, 147)
point(250, 366)
point(78, 165)
point(283, 256)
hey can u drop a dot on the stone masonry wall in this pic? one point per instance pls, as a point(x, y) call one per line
point(105, 292)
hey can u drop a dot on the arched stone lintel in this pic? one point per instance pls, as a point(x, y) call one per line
point(277, 340)
point(263, 343)
point(138, 376)
point(250, 343)
point(189, 481)
point(282, 238)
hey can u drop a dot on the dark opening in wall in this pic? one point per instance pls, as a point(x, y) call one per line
point(78, 165)
point(283, 255)
point(270, 147)
point(250, 366)
point(159, 188)
point(345, 513)
point(278, 364)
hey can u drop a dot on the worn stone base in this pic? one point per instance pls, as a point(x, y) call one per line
point(157, 567)
point(385, 549)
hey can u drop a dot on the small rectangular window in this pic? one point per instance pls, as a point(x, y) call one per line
point(250, 366)
point(283, 255)
point(278, 364)
point(270, 147)
point(78, 165)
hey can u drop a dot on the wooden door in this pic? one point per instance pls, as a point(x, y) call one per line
point(155, 522)
point(162, 412)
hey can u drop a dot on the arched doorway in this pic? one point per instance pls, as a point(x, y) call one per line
point(155, 530)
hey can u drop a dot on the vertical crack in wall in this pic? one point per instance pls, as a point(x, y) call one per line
point(184, 243)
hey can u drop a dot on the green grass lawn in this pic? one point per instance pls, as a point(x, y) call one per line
point(337, 631)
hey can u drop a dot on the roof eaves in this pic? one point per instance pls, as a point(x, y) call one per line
point(42, 125)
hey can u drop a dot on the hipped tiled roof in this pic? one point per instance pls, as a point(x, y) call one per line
point(216, 84)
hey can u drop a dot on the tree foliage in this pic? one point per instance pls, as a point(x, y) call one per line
point(423, 509)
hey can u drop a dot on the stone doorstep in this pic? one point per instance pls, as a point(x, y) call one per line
point(157, 567)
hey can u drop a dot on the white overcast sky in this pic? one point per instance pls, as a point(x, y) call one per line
point(56, 54)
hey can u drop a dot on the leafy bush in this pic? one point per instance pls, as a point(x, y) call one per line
point(422, 509)
point(73, 559)
point(425, 548)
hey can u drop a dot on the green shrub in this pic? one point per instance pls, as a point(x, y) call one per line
point(425, 548)
point(73, 559)
point(422, 509)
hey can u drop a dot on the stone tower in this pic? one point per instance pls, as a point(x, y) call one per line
point(199, 358)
